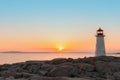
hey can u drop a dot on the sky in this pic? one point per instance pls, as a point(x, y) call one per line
point(46, 25)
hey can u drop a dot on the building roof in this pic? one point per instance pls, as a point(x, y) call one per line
point(99, 29)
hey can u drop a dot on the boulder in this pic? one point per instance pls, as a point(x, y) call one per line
point(85, 67)
point(22, 75)
point(114, 66)
point(63, 71)
point(1, 78)
point(93, 68)
point(47, 78)
point(47, 67)
point(116, 75)
point(58, 61)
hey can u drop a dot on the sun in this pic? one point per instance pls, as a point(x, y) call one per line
point(60, 48)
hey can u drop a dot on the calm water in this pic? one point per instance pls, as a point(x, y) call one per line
point(8, 58)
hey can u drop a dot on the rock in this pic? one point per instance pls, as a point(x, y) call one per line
point(22, 75)
point(102, 66)
point(104, 58)
point(68, 71)
point(79, 79)
point(31, 68)
point(58, 61)
point(114, 66)
point(42, 72)
point(86, 67)
point(107, 69)
point(93, 60)
point(1, 78)
point(116, 75)
point(92, 68)
point(47, 78)
point(79, 60)
point(4, 67)
point(6, 74)
point(104, 69)
point(10, 78)
point(70, 60)
point(47, 67)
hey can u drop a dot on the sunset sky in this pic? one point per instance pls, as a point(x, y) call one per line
point(46, 25)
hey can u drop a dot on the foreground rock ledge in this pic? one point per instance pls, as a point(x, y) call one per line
point(92, 68)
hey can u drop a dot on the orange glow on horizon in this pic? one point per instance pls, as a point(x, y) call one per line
point(85, 44)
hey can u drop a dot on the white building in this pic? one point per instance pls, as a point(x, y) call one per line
point(100, 45)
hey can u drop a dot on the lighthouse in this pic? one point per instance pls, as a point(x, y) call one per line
point(100, 44)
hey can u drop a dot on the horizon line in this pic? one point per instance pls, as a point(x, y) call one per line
point(44, 51)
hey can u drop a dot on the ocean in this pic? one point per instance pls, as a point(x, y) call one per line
point(9, 58)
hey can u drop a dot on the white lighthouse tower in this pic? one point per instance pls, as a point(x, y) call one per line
point(100, 45)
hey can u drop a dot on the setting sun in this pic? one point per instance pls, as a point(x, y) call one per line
point(60, 48)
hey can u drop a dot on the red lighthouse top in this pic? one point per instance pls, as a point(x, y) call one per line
point(100, 32)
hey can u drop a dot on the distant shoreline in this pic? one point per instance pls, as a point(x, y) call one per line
point(41, 52)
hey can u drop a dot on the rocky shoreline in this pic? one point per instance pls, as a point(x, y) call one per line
point(92, 68)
